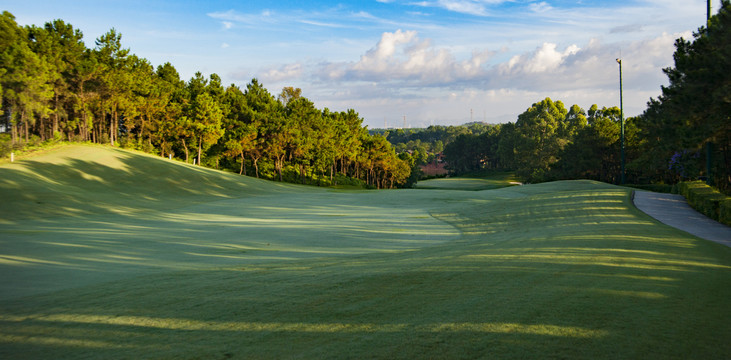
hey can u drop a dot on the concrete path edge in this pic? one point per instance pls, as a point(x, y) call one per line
point(673, 210)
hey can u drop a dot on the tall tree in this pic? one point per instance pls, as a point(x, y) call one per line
point(594, 153)
point(206, 116)
point(538, 141)
point(62, 47)
point(115, 79)
point(695, 108)
point(27, 83)
point(289, 94)
point(240, 137)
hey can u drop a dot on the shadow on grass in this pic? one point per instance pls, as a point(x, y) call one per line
point(559, 273)
point(39, 189)
point(438, 303)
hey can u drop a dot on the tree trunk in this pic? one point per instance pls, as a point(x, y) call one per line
point(142, 128)
point(55, 118)
point(200, 146)
point(111, 129)
point(255, 160)
point(243, 168)
point(279, 166)
point(82, 127)
point(185, 148)
point(42, 129)
point(14, 132)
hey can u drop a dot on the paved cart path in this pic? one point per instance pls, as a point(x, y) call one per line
point(673, 210)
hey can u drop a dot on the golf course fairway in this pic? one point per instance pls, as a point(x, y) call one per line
point(113, 254)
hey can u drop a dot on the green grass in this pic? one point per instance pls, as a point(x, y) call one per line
point(255, 269)
point(474, 182)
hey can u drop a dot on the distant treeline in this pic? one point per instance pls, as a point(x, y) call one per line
point(681, 135)
point(55, 88)
point(424, 143)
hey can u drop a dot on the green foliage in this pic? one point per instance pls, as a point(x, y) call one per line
point(6, 145)
point(55, 88)
point(724, 211)
point(694, 108)
point(706, 200)
point(668, 143)
point(538, 139)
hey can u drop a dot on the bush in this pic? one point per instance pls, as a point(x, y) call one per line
point(724, 213)
point(707, 200)
point(6, 145)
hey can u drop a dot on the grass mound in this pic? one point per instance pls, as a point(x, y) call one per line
point(559, 270)
point(89, 179)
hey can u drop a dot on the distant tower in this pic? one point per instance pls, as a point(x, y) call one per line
point(472, 116)
point(404, 122)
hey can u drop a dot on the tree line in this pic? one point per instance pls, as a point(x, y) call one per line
point(55, 88)
point(548, 142)
point(683, 134)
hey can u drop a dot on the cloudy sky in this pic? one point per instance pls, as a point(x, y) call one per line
point(433, 62)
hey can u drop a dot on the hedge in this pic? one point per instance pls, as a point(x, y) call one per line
point(707, 200)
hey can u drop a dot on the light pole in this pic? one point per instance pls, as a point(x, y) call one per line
point(709, 144)
point(621, 125)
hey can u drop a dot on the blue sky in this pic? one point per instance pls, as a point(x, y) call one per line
point(435, 61)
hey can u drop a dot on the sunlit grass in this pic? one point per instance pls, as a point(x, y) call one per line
point(258, 270)
point(474, 182)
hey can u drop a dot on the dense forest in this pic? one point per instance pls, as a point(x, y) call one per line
point(55, 88)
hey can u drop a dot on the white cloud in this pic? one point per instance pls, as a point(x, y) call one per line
point(469, 7)
point(402, 56)
point(432, 72)
point(283, 73)
point(624, 29)
point(464, 7)
point(540, 7)
point(403, 74)
point(545, 58)
point(321, 24)
point(230, 17)
point(225, 45)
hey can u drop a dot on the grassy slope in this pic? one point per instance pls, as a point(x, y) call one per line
point(560, 270)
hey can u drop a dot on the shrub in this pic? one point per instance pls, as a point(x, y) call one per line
point(6, 145)
point(707, 200)
point(724, 211)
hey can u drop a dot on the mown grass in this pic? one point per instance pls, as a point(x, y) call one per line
point(471, 182)
point(559, 270)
